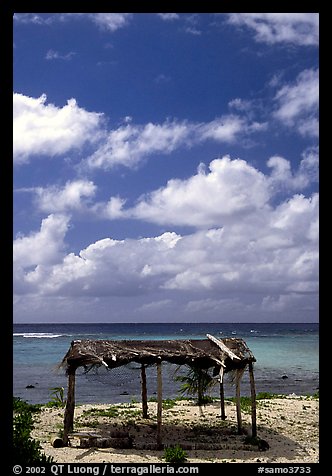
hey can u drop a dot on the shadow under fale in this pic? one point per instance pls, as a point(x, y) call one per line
point(204, 438)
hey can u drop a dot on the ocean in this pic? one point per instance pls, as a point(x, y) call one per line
point(287, 359)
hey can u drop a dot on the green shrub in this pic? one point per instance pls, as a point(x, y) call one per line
point(26, 450)
point(20, 405)
point(175, 454)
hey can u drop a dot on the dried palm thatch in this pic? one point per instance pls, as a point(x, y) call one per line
point(230, 353)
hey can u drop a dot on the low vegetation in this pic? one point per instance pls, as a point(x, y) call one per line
point(196, 382)
point(110, 412)
point(175, 454)
point(26, 450)
point(57, 398)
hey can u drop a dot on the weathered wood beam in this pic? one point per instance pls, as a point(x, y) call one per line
point(159, 405)
point(238, 401)
point(223, 347)
point(144, 393)
point(222, 401)
point(253, 400)
point(222, 395)
point(68, 424)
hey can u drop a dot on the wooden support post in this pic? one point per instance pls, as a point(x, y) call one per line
point(70, 407)
point(160, 405)
point(144, 393)
point(253, 401)
point(238, 401)
point(222, 401)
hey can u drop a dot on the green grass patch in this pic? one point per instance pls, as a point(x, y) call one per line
point(314, 396)
point(168, 403)
point(245, 403)
point(110, 412)
point(267, 395)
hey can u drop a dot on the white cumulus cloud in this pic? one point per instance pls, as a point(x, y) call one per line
point(264, 261)
point(44, 246)
point(110, 21)
point(297, 103)
point(73, 196)
point(44, 129)
point(107, 21)
point(230, 190)
point(55, 55)
point(271, 28)
point(130, 144)
point(283, 178)
point(269, 255)
point(169, 16)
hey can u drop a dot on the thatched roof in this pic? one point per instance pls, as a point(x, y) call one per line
point(231, 353)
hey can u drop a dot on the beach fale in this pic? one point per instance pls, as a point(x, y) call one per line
point(223, 355)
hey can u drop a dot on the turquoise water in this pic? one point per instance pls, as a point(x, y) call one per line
point(281, 350)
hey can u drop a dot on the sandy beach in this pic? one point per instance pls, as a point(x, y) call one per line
point(288, 424)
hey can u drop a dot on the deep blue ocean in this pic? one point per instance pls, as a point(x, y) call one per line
point(287, 359)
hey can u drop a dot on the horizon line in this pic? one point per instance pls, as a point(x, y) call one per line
point(177, 322)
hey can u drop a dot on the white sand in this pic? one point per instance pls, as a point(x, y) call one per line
point(289, 425)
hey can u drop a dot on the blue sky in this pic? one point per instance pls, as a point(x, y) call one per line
point(165, 167)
